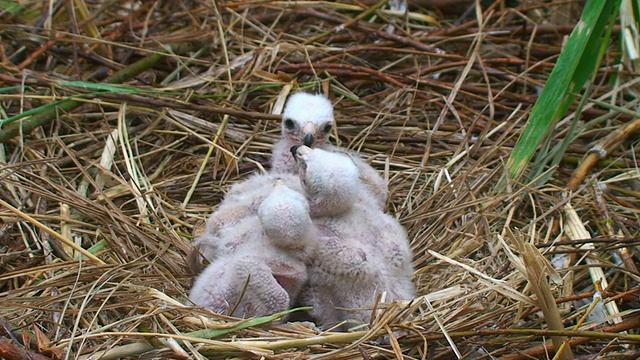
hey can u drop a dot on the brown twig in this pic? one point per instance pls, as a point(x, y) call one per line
point(614, 331)
point(10, 351)
point(600, 151)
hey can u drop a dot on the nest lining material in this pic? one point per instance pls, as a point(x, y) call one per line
point(129, 171)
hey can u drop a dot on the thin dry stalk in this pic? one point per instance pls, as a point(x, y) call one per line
point(575, 230)
point(535, 271)
point(165, 105)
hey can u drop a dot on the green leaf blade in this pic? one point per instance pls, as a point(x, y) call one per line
point(576, 64)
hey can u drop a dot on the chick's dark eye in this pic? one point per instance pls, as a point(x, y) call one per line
point(289, 124)
point(327, 128)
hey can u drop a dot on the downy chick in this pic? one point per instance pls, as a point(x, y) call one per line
point(265, 270)
point(241, 202)
point(361, 250)
point(308, 120)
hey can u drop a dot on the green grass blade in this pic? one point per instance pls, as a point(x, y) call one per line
point(550, 158)
point(39, 109)
point(46, 113)
point(213, 333)
point(576, 64)
point(99, 86)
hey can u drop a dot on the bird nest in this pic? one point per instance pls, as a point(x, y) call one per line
point(124, 123)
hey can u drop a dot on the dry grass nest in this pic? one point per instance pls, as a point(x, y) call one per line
point(130, 120)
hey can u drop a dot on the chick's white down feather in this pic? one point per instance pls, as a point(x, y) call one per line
point(262, 252)
point(241, 201)
point(220, 287)
point(361, 250)
point(305, 115)
point(308, 120)
point(331, 181)
point(284, 216)
point(352, 249)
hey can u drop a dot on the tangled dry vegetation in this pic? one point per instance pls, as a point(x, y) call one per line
point(123, 123)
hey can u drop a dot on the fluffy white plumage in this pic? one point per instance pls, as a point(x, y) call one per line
point(308, 120)
point(331, 180)
point(241, 201)
point(220, 286)
point(262, 252)
point(361, 250)
point(284, 216)
point(317, 234)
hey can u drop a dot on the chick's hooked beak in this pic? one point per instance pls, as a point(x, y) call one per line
point(308, 139)
point(294, 151)
point(308, 130)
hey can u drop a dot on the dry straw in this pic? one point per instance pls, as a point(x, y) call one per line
point(122, 125)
